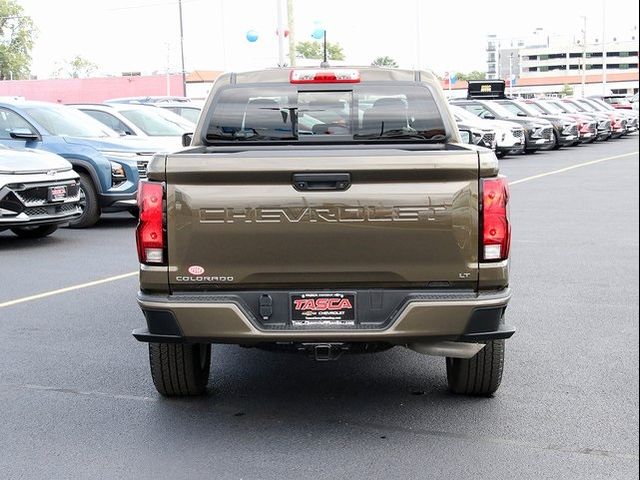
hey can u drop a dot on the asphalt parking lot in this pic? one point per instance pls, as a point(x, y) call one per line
point(78, 401)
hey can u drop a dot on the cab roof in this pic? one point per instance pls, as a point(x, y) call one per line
point(367, 74)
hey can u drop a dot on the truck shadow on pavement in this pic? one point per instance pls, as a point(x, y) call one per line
point(286, 391)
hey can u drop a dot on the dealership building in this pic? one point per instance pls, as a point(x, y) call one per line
point(544, 64)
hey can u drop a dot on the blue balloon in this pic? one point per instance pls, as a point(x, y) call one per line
point(318, 33)
point(252, 36)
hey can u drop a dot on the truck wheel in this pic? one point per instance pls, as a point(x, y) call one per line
point(180, 369)
point(34, 232)
point(88, 204)
point(480, 375)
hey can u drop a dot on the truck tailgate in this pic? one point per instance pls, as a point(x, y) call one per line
point(239, 220)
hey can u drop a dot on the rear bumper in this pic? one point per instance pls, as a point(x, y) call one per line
point(418, 316)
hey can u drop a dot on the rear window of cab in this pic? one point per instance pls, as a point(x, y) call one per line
point(356, 113)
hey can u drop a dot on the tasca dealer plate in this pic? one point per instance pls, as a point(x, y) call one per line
point(57, 193)
point(323, 309)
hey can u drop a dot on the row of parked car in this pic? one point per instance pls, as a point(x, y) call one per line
point(66, 164)
point(511, 126)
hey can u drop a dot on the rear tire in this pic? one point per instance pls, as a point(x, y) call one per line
point(501, 154)
point(88, 203)
point(34, 232)
point(480, 375)
point(180, 369)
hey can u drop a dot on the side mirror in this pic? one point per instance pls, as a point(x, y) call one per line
point(186, 139)
point(488, 116)
point(23, 134)
point(466, 136)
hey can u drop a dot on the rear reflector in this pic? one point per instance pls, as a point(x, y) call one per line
point(496, 229)
point(150, 233)
point(343, 75)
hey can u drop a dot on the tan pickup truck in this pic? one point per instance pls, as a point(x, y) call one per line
point(325, 211)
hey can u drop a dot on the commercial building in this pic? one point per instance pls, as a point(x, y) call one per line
point(547, 59)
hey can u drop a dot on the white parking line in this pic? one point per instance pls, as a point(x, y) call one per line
point(131, 274)
point(67, 289)
point(572, 167)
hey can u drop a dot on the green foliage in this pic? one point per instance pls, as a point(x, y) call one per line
point(385, 61)
point(77, 67)
point(313, 50)
point(567, 90)
point(17, 35)
point(474, 75)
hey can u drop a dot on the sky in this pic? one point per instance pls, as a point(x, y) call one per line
point(143, 35)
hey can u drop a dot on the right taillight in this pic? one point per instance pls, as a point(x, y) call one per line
point(150, 231)
point(496, 229)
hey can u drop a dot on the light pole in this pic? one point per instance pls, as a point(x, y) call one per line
point(184, 75)
point(280, 33)
point(584, 53)
point(418, 36)
point(511, 74)
point(604, 51)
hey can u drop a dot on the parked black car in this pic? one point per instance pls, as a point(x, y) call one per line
point(538, 132)
point(565, 129)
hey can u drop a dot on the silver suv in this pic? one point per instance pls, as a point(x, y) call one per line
point(39, 191)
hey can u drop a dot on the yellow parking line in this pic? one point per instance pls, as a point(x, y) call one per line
point(572, 167)
point(66, 289)
point(131, 274)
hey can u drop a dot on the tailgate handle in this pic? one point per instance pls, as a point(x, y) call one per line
point(321, 181)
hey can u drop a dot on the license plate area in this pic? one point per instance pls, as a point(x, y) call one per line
point(57, 193)
point(323, 309)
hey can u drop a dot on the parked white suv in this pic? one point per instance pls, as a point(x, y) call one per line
point(39, 191)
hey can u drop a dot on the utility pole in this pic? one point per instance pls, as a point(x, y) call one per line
point(584, 53)
point(292, 39)
point(325, 59)
point(604, 50)
point(184, 75)
point(168, 67)
point(511, 74)
point(280, 33)
point(418, 36)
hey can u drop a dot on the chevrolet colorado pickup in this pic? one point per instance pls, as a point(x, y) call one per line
point(325, 211)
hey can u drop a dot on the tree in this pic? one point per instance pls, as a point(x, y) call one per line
point(17, 35)
point(385, 61)
point(567, 90)
point(77, 67)
point(474, 75)
point(314, 50)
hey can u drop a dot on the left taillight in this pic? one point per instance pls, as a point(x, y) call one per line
point(150, 231)
point(496, 229)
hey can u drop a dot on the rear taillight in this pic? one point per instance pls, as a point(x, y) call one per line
point(496, 230)
point(150, 231)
